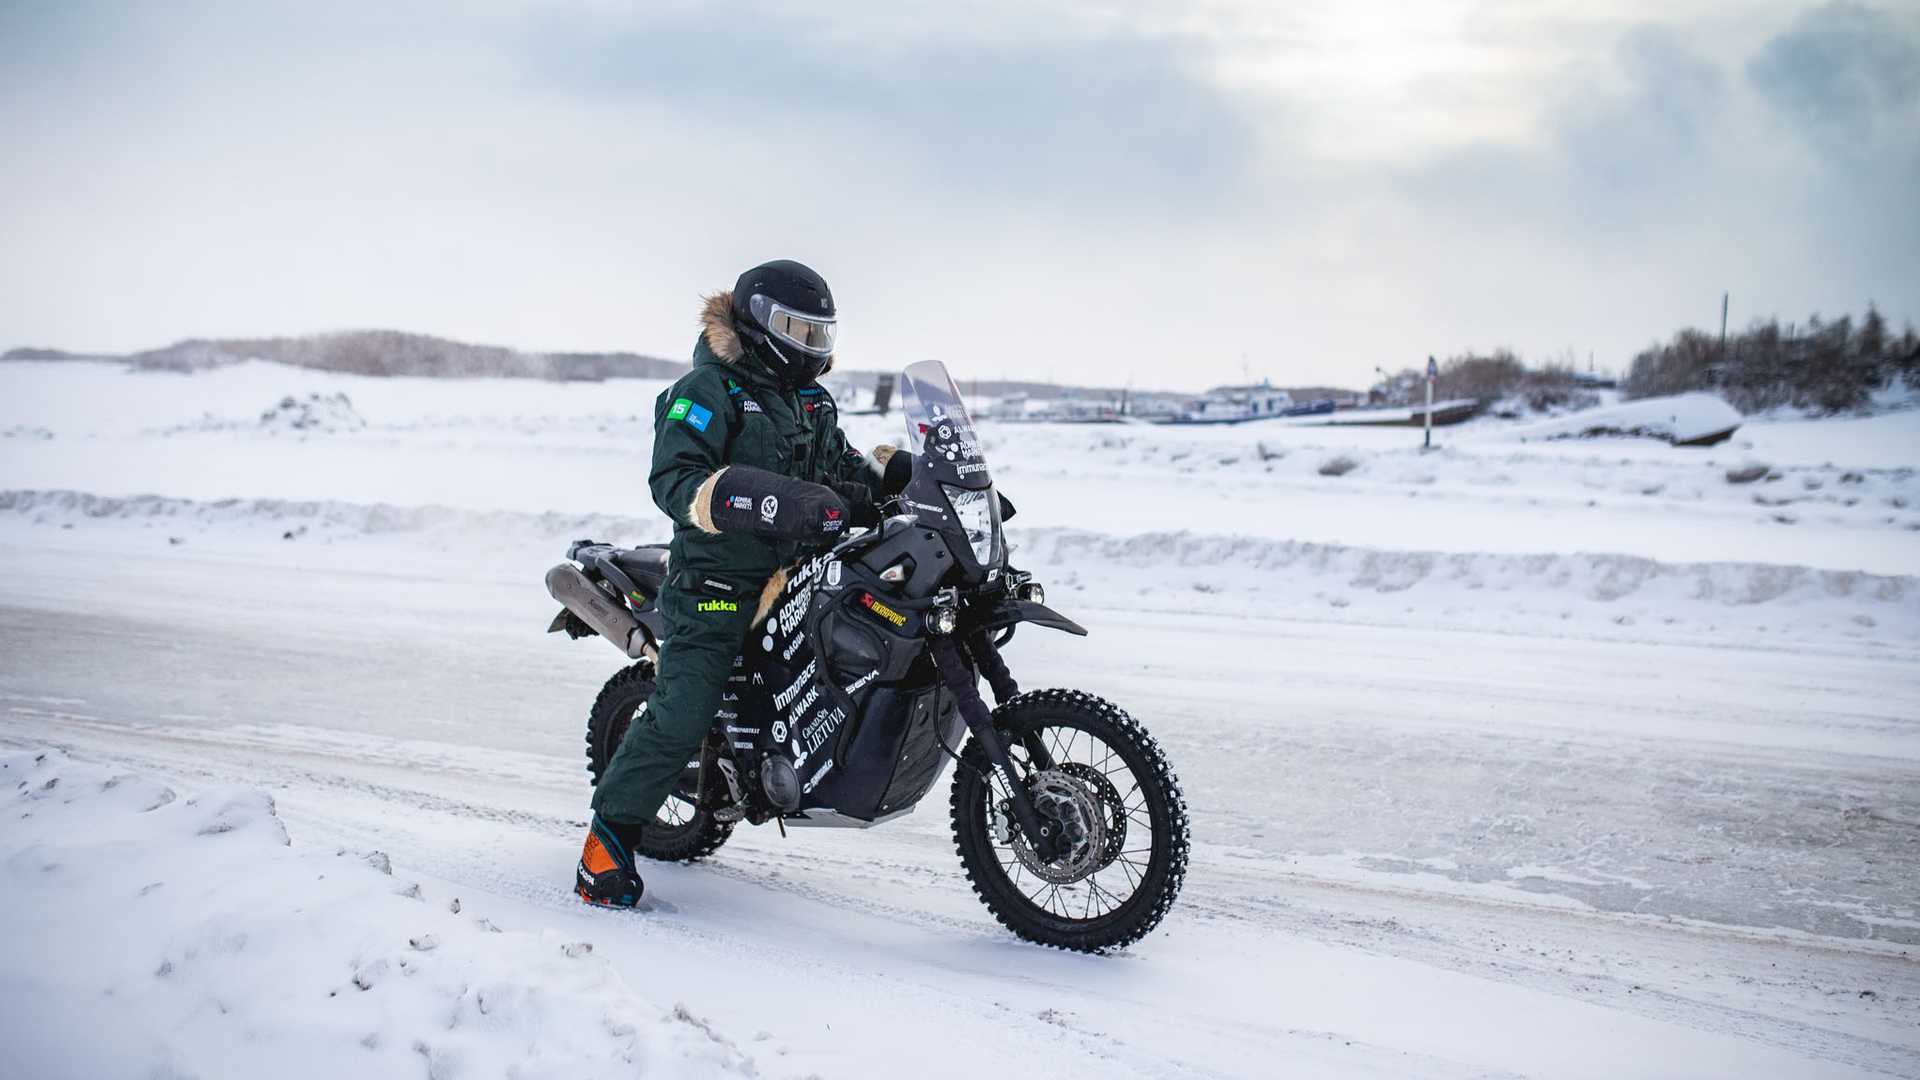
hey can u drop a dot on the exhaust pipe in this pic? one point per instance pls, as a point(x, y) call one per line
point(611, 620)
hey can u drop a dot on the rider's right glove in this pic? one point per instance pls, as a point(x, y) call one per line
point(741, 498)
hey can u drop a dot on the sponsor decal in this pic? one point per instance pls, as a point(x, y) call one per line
point(748, 405)
point(831, 525)
point(856, 685)
point(832, 514)
point(679, 410)
point(785, 697)
point(833, 574)
point(719, 605)
point(715, 583)
point(927, 507)
point(968, 469)
point(769, 506)
point(740, 502)
point(806, 701)
point(779, 731)
point(882, 610)
point(792, 647)
point(816, 734)
point(793, 611)
point(815, 782)
point(699, 416)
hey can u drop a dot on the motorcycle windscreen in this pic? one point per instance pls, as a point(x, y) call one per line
point(938, 426)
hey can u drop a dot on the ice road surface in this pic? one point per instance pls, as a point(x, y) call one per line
point(1567, 759)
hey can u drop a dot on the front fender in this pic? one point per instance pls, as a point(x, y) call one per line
point(1010, 611)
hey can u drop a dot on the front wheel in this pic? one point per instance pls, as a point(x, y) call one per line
point(1098, 778)
point(683, 830)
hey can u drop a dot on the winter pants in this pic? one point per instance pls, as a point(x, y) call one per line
point(704, 633)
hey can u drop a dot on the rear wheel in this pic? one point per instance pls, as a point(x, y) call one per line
point(1100, 782)
point(682, 831)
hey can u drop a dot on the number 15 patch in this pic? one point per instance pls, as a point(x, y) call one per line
point(697, 415)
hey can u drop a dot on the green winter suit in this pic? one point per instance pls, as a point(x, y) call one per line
point(729, 410)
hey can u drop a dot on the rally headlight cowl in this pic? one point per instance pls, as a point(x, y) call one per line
point(973, 509)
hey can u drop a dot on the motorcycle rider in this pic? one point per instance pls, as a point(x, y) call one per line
point(750, 463)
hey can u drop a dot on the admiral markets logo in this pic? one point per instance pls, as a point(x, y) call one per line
point(882, 610)
point(719, 605)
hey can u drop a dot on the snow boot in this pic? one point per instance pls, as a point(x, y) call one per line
point(606, 875)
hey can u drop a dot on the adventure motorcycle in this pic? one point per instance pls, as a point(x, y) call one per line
point(856, 689)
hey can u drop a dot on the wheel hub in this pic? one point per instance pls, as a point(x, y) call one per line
point(1070, 807)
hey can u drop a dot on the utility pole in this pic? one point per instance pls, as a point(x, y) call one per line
point(1723, 323)
point(1433, 370)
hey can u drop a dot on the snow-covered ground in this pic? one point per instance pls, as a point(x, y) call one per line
point(1562, 759)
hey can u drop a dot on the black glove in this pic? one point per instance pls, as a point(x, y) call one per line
point(1006, 508)
point(741, 498)
point(860, 505)
point(895, 471)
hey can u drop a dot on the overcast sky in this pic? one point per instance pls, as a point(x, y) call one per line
point(1163, 193)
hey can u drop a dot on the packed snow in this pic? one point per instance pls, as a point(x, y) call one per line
point(157, 933)
point(1567, 758)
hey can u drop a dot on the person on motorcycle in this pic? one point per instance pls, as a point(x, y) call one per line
point(750, 463)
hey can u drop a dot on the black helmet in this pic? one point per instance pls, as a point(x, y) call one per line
point(784, 312)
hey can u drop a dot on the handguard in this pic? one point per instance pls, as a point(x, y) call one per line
point(741, 498)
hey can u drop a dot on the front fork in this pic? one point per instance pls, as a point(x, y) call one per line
point(954, 672)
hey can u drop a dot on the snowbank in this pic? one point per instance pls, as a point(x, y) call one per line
point(1683, 419)
point(148, 935)
point(1589, 593)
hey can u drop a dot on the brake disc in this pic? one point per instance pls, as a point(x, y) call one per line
point(1114, 816)
point(1073, 808)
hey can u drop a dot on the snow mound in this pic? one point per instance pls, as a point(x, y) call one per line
point(331, 517)
point(149, 935)
point(1683, 419)
point(315, 412)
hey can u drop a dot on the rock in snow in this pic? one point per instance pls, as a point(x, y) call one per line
point(187, 938)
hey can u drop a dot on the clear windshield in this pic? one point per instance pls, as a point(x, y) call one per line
point(938, 426)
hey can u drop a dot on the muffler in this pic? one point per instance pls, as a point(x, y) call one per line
point(608, 617)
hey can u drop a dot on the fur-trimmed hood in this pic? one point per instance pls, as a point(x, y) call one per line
point(716, 325)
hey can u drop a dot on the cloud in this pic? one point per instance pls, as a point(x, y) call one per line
point(1844, 75)
point(1103, 116)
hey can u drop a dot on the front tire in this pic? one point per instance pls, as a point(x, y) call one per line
point(1109, 783)
point(683, 830)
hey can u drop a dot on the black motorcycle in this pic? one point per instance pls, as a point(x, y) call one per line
point(862, 679)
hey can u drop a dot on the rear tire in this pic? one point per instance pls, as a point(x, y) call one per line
point(682, 831)
point(1145, 797)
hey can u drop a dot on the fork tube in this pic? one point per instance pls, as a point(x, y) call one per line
point(960, 681)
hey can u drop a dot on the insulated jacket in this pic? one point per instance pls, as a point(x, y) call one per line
point(729, 410)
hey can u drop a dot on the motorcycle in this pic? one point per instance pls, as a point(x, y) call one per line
point(856, 689)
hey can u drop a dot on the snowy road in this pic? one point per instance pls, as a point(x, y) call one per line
point(1418, 851)
point(1564, 760)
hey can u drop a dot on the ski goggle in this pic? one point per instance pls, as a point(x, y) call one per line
point(808, 333)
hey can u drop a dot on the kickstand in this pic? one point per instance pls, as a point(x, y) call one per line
point(782, 822)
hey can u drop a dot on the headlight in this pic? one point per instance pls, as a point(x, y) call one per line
point(973, 509)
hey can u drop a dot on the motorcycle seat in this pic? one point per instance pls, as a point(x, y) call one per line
point(647, 566)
